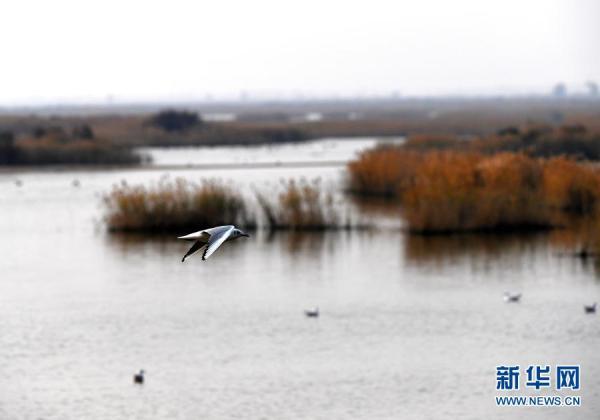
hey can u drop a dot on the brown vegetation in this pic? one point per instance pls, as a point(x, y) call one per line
point(49, 151)
point(180, 206)
point(301, 206)
point(141, 131)
point(384, 171)
point(458, 191)
point(489, 125)
point(55, 146)
point(177, 206)
point(448, 191)
point(534, 140)
point(283, 122)
point(212, 134)
point(571, 187)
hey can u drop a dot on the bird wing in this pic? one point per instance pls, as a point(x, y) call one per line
point(204, 235)
point(197, 245)
point(201, 235)
point(217, 237)
point(218, 229)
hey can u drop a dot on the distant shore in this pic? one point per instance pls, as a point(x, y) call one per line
point(102, 141)
point(275, 122)
point(151, 167)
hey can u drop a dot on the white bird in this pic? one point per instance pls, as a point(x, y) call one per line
point(212, 238)
point(512, 297)
point(312, 313)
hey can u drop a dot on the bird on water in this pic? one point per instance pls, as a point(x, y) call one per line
point(312, 313)
point(138, 378)
point(212, 238)
point(512, 297)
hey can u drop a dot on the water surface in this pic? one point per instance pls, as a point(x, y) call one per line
point(323, 150)
point(410, 327)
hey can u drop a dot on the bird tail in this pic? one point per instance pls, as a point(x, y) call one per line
point(197, 245)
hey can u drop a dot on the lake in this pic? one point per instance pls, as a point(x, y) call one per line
point(320, 151)
point(410, 327)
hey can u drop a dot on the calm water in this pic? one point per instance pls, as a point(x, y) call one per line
point(409, 328)
point(325, 150)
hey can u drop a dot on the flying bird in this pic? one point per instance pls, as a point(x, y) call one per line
point(212, 238)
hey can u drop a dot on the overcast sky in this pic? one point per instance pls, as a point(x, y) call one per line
point(89, 51)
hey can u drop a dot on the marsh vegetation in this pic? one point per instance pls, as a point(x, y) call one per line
point(302, 205)
point(575, 141)
point(107, 136)
point(177, 206)
point(55, 146)
point(180, 206)
point(453, 188)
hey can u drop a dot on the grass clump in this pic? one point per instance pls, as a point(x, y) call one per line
point(454, 191)
point(301, 206)
point(56, 146)
point(469, 192)
point(572, 187)
point(181, 207)
point(385, 171)
point(174, 206)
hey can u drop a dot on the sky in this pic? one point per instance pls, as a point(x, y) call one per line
point(92, 51)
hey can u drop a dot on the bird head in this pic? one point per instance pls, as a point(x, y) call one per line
point(239, 232)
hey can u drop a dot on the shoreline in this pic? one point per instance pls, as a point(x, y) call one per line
point(199, 167)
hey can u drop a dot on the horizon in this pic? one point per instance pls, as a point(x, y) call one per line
point(255, 101)
point(106, 52)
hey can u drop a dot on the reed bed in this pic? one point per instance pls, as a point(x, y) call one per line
point(181, 206)
point(302, 205)
point(574, 140)
point(385, 171)
point(57, 146)
point(174, 206)
point(468, 192)
point(453, 191)
point(572, 187)
point(49, 151)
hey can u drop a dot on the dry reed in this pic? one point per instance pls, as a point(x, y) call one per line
point(450, 191)
point(384, 171)
point(301, 206)
point(178, 206)
point(466, 192)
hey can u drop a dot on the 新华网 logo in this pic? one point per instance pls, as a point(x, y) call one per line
point(536, 378)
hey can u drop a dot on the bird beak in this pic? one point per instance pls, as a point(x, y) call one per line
point(246, 235)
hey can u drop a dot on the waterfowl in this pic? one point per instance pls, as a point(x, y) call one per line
point(212, 238)
point(312, 313)
point(138, 378)
point(512, 297)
